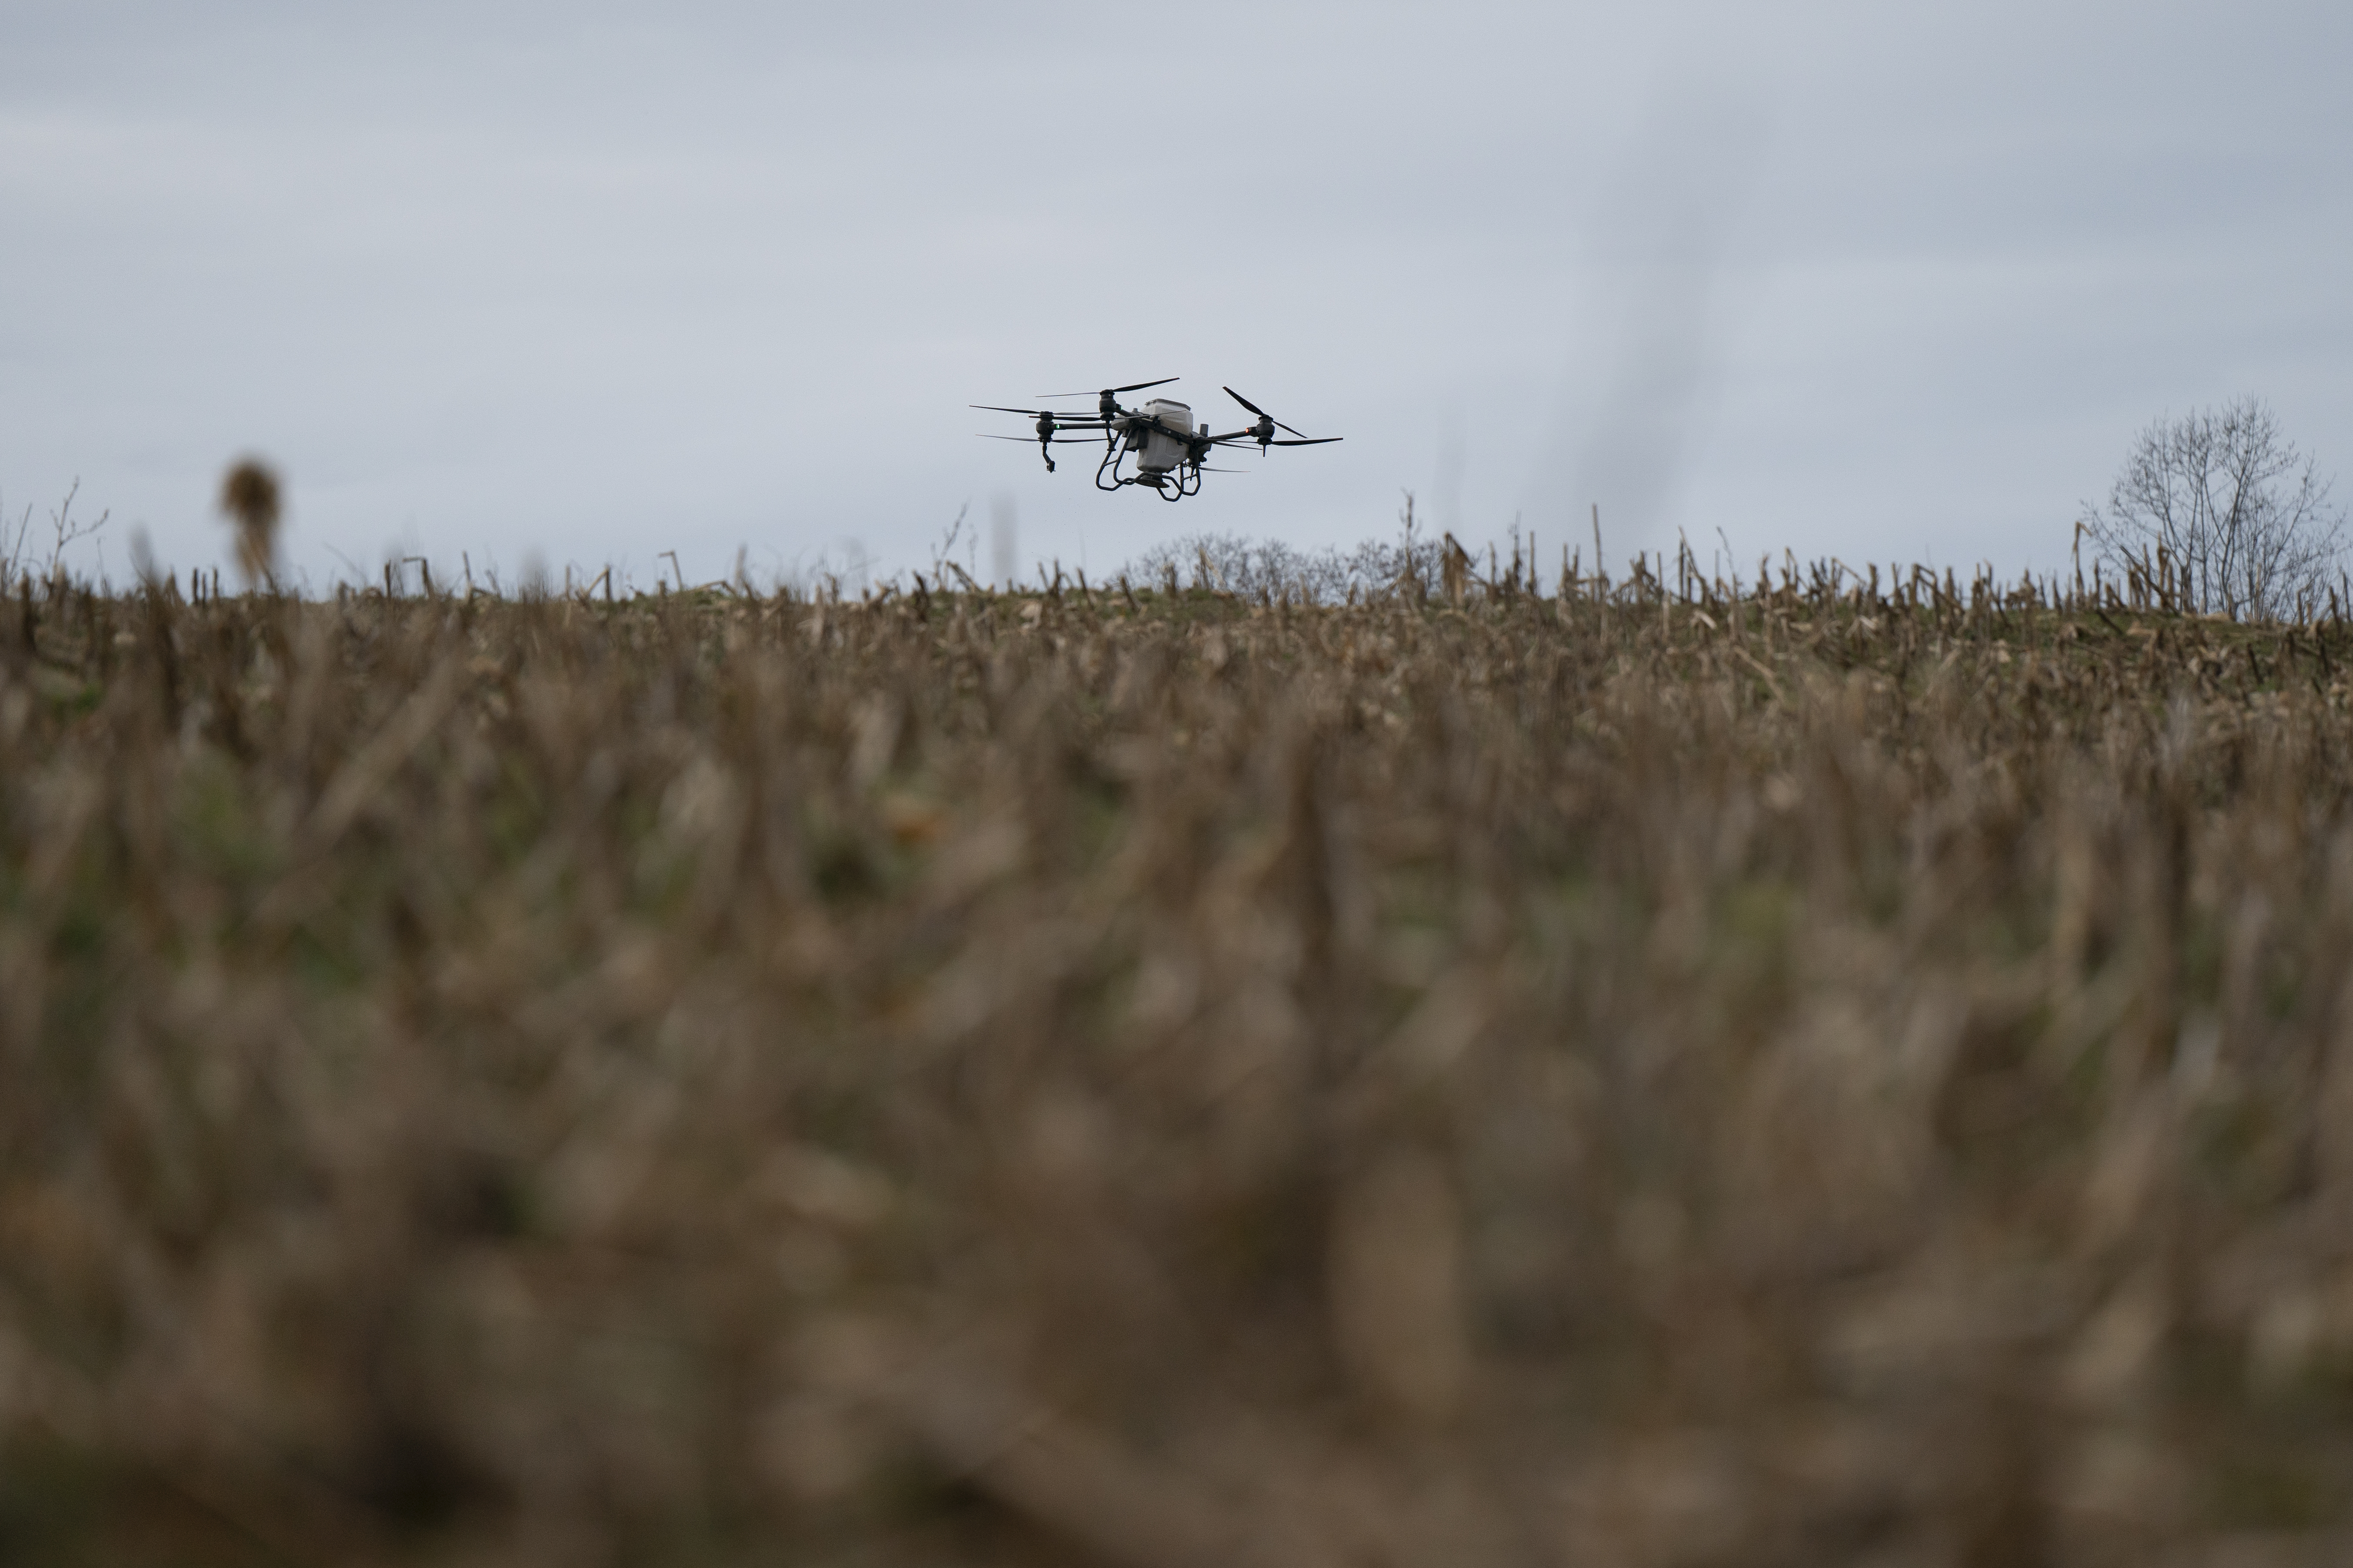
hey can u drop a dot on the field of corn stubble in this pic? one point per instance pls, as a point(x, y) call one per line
point(1812, 1077)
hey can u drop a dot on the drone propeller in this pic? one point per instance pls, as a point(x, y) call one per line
point(1106, 392)
point(1068, 421)
point(1032, 440)
point(1249, 438)
point(1263, 414)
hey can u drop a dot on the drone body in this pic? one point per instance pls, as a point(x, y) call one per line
point(1168, 449)
point(1162, 450)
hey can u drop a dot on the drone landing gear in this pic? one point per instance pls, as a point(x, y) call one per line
point(1169, 484)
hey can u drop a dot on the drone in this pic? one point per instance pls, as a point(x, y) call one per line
point(1167, 447)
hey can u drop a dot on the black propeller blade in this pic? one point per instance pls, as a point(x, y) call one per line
point(1106, 392)
point(1068, 421)
point(1032, 440)
point(1307, 441)
point(1263, 414)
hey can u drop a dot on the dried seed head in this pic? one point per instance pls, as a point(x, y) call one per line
point(249, 498)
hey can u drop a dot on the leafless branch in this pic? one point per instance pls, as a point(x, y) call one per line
point(2231, 510)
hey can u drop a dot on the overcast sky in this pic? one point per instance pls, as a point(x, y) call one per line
point(589, 282)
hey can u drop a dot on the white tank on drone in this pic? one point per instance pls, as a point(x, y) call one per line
point(1161, 451)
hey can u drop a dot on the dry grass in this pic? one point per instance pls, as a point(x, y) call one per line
point(1825, 1079)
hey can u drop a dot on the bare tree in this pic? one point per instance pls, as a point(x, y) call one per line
point(17, 555)
point(1234, 565)
point(2237, 515)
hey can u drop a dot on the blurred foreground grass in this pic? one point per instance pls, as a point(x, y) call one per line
point(1806, 1077)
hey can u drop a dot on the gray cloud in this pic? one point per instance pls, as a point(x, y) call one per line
point(600, 283)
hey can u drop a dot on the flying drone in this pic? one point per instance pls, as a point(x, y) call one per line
point(1167, 447)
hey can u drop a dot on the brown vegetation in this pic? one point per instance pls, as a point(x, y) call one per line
point(1812, 1077)
point(249, 498)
